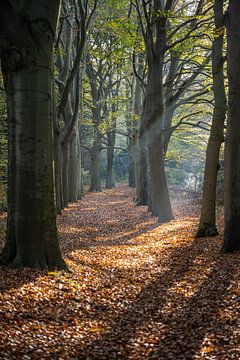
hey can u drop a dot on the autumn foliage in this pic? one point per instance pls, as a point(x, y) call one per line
point(136, 290)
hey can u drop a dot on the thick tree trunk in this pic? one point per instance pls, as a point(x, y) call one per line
point(207, 224)
point(232, 143)
point(32, 239)
point(159, 201)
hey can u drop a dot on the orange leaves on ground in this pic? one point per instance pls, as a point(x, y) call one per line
point(137, 289)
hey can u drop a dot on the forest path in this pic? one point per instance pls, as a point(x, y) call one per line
point(137, 289)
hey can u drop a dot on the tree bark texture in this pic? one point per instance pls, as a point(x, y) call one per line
point(232, 143)
point(155, 37)
point(159, 201)
point(26, 59)
point(207, 224)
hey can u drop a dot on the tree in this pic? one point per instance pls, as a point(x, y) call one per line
point(154, 34)
point(77, 16)
point(139, 142)
point(96, 83)
point(166, 84)
point(207, 224)
point(232, 142)
point(111, 135)
point(27, 30)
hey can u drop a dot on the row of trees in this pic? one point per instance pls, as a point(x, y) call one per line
point(112, 75)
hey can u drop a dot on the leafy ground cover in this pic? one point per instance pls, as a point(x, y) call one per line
point(136, 290)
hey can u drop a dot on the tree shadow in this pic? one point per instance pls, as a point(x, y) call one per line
point(185, 329)
point(109, 232)
point(15, 278)
point(181, 330)
point(86, 309)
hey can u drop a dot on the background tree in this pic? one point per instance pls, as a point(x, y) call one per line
point(160, 99)
point(73, 34)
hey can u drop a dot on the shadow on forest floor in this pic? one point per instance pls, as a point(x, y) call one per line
point(137, 290)
point(171, 329)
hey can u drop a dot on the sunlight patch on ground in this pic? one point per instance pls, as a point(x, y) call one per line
point(136, 290)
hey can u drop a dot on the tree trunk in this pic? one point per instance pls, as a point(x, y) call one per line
point(131, 167)
point(137, 105)
point(32, 239)
point(159, 203)
point(207, 224)
point(110, 156)
point(131, 129)
point(57, 174)
point(96, 164)
point(232, 143)
point(80, 178)
point(74, 171)
point(142, 171)
point(136, 164)
point(167, 133)
point(56, 151)
point(141, 161)
point(65, 169)
point(111, 139)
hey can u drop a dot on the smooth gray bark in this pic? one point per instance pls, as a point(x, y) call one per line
point(26, 58)
point(159, 201)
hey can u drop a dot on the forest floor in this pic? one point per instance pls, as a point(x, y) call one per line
point(136, 290)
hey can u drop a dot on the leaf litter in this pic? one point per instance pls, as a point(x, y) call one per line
point(136, 290)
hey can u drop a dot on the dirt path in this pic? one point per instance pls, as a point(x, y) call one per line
point(137, 290)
